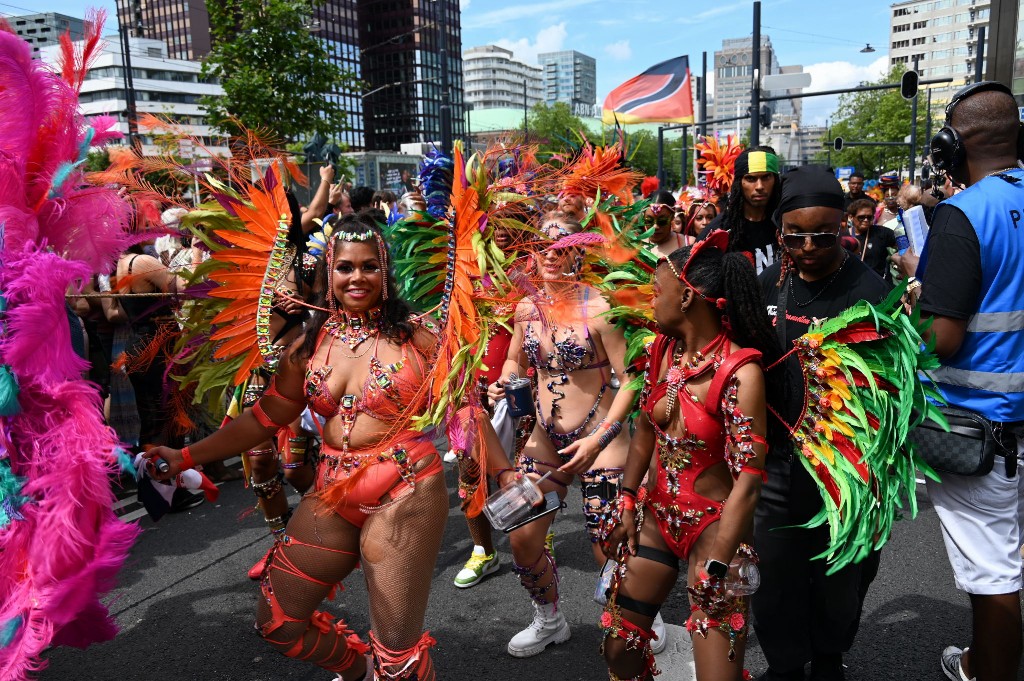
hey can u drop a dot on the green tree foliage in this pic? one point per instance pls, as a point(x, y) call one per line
point(875, 116)
point(275, 73)
point(553, 128)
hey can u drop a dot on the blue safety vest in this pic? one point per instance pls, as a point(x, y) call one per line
point(986, 375)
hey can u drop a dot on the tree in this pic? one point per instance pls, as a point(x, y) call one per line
point(553, 128)
point(276, 75)
point(874, 116)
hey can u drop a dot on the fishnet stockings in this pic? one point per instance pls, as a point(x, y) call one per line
point(319, 551)
point(399, 548)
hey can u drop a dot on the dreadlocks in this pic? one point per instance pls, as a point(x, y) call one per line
point(733, 219)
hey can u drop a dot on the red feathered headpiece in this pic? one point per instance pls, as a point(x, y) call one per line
point(649, 186)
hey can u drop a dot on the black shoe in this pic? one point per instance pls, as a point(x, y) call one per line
point(827, 668)
point(773, 675)
point(183, 500)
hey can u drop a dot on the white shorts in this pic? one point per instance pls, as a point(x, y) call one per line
point(983, 527)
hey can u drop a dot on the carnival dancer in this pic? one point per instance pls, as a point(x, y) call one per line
point(658, 218)
point(695, 219)
point(379, 497)
point(704, 416)
point(562, 333)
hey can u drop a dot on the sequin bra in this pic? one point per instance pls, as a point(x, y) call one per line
point(566, 355)
point(388, 391)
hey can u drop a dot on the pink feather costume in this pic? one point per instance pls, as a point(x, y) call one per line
point(60, 543)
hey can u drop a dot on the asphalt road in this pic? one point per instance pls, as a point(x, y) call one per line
point(185, 608)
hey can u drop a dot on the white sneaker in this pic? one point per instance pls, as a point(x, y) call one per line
point(477, 567)
point(548, 626)
point(658, 627)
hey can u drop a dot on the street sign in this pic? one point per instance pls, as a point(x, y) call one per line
point(786, 81)
point(844, 172)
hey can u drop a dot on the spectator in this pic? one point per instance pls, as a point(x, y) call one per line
point(972, 274)
point(886, 211)
point(874, 241)
point(856, 193)
point(385, 197)
point(748, 213)
point(361, 198)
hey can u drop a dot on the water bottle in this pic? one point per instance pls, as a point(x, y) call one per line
point(743, 577)
point(604, 582)
point(902, 243)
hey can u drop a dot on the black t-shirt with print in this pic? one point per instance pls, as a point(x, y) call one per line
point(876, 255)
point(760, 240)
point(790, 489)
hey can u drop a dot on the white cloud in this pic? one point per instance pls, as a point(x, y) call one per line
point(620, 50)
point(516, 13)
point(550, 39)
point(835, 75)
point(463, 4)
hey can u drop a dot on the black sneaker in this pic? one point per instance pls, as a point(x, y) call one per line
point(827, 668)
point(183, 500)
point(950, 664)
point(773, 675)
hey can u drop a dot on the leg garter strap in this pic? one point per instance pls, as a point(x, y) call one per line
point(635, 637)
point(528, 578)
point(600, 487)
point(639, 607)
point(658, 556)
point(411, 664)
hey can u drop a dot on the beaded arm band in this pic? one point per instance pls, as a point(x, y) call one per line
point(609, 431)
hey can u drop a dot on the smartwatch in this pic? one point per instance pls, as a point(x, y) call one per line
point(716, 568)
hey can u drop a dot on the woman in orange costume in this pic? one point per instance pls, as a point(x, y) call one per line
point(378, 498)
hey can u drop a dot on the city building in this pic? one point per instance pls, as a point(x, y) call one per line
point(494, 79)
point(941, 37)
point(43, 30)
point(394, 48)
point(164, 86)
point(733, 80)
point(570, 77)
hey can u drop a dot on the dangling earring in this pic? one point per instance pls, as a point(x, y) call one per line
point(382, 254)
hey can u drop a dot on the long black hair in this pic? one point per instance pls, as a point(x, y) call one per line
point(731, 276)
point(395, 321)
point(732, 217)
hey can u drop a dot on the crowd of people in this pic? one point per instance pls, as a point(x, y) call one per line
point(688, 453)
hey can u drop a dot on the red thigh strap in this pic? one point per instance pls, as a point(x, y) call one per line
point(412, 663)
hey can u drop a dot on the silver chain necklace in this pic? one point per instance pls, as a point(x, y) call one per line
point(846, 256)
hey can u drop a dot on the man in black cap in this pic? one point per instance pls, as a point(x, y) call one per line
point(800, 614)
point(748, 212)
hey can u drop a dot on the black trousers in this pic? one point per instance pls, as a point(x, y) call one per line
point(799, 612)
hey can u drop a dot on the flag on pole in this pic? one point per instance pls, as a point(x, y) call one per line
point(661, 94)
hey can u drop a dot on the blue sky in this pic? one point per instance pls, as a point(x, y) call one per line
point(628, 36)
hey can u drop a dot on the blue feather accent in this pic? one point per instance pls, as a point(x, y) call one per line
point(124, 460)
point(436, 174)
point(83, 148)
point(61, 176)
point(9, 631)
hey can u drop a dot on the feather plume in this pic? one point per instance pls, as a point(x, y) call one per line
point(718, 162)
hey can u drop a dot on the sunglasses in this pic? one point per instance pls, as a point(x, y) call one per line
point(862, 218)
point(818, 240)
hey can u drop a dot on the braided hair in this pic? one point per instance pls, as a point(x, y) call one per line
point(395, 324)
point(731, 276)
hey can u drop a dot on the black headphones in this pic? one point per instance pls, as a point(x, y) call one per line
point(947, 152)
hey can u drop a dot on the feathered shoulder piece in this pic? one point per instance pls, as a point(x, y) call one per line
point(597, 169)
point(861, 384)
point(718, 162)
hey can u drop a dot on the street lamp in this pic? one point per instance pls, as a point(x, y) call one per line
point(867, 48)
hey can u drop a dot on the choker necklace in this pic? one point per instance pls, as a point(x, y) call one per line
point(823, 288)
point(353, 329)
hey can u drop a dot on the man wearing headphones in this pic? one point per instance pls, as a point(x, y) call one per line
point(972, 274)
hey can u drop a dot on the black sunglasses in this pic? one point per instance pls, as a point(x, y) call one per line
point(818, 240)
point(862, 218)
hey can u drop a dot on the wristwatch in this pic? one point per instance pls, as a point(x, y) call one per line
point(716, 568)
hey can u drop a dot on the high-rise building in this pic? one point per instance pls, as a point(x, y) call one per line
point(42, 30)
point(496, 79)
point(392, 47)
point(570, 77)
point(941, 37)
point(164, 86)
point(733, 80)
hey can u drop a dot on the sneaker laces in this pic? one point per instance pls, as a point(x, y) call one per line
point(476, 561)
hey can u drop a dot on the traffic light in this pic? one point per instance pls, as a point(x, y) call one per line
point(838, 144)
point(766, 116)
point(909, 84)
